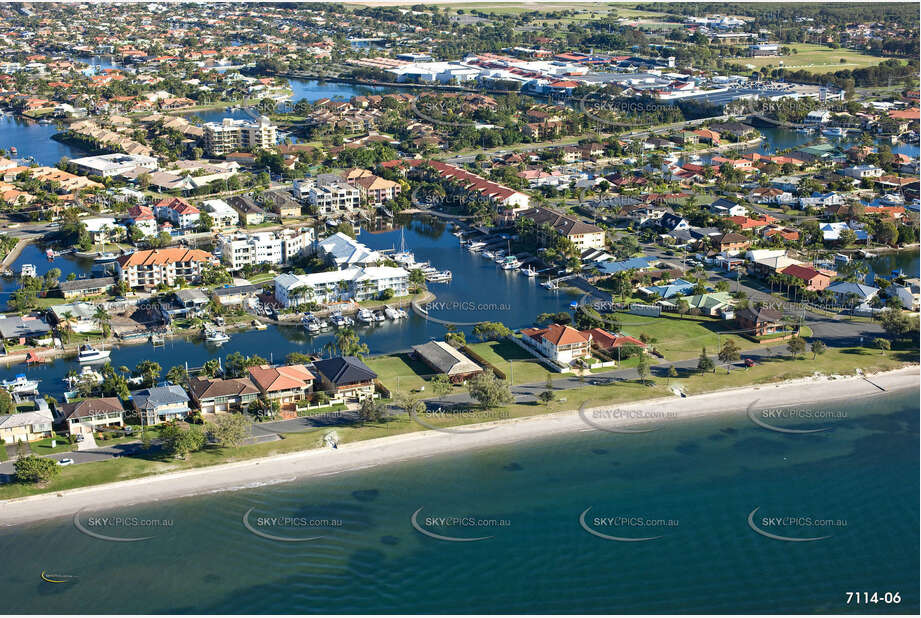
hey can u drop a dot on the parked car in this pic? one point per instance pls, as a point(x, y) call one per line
point(749, 362)
point(67, 461)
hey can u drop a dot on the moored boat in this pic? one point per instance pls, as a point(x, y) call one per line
point(89, 354)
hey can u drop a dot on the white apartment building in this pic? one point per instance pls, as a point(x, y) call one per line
point(221, 213)
point(241, 250)
point(339, 285)
point(334, 198)
point(230, 135)
point(114, 164)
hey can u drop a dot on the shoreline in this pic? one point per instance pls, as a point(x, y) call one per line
point(363, 454)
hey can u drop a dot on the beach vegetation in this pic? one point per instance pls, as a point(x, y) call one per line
point(229, 429)
point(34, 469)
point(488, 390)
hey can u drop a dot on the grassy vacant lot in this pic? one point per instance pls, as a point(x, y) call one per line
point(516, 362)
point(818, 59)
point(399, 372)
point(679, 338)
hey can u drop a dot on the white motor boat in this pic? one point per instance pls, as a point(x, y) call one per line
point(379, 316)
point(213, 335)
point(87, 373)
point(391, 313)
point(529, 271)
point(89, 354)
point(365, 316)
point(20, 384)
point(105, 257)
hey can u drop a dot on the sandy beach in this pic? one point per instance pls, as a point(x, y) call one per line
point(381, 451)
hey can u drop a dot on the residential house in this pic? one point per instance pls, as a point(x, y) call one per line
point(19, 329)
point(850, 293)
point(215, 395)
point(86, 287)
point(285, 384)
point(178, 212)
point(79, 317)
point(558, 342)
point(445, 359)
point(815, 280)
point(759, 322)
point(90, 415)
point(583, 235)
point(223, 217)
point(345, 376)
point(343, 251)
point(678, 287)
point(27, 426)
point(160, 404)
point(249, 211)
point(711, 304)
point(730, 242)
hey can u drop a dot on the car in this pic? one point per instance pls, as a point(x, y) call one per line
point(67, 461)
point(80, 438)
point(749, 362)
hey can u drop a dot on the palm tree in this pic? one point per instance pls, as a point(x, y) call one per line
point(104, 319)
point(65, 327)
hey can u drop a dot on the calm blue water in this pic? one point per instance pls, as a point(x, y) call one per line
point(33, 139)
point(480, 291)
point(708, 475)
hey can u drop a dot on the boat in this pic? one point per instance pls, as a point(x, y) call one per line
point(549, 284)
point(311, 325)
point(529, 271)
point(510, 262)
point(366, 316)
point(488, 254)
point(87, 373)
point(216, 336)
point(49, 253)
point(340, 321)
point(105, 257)
point(834, 132)
point(379, 316)
point(13, 150)
point(475, 247)
point(404, 257)
point(20, 384)
point(440, 277)
point(391, 313)
point(27, 270)
point(89, 354)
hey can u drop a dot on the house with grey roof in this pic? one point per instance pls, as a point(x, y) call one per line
point(444, 358)
point(86, 287)
point(23, 327)
point(160, 404)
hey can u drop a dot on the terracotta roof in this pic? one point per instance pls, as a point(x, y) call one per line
point(557, 334)
point(805, 273)
point(283, 378)
point(164, 256)
point(206, 388)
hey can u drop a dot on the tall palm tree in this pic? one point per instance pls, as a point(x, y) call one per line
point(104, 319)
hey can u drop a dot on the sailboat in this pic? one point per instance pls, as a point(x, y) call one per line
point(404, 257)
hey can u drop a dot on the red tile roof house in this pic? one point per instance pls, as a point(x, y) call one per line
point(815, 281)
point(286, 384)
point(178, 211)
point(560, 343)
point(213, 395)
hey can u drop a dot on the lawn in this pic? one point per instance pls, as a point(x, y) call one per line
point(679, 338)
point(817, 59)
point(399, 372)
point(516, 362)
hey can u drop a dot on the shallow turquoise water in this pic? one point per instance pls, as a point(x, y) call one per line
point(706, 474)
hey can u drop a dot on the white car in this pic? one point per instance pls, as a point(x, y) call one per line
point(67, 461)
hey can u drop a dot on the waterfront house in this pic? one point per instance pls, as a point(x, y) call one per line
point(711, 304)
point(345, 376)
point(27, 426)
point(445, 359)
point(160, 404)
point(79, 317)
point(90, 414)
point(236, 294)
point(285, 384)
point(730, 242)
point(831, 232)
point(759, 322)
point(559, 342)
point(678, 287)
point(603, 340)
point(19, 329)
point(86, 287)
point(214, 395)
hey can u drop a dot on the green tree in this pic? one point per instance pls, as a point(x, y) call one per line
point(729, 353)
point(149, 371)
point(34, 469)
point(371, 411)
point(546, 397)
point(881, 344)
point(6, 402)
point(181, 442)
point(441, 384)
point(817, 347)
point(178, 375)
point(704, 362)
point(488, 390)
point(642, 368)
point(229, 429)
point(491, 331)
point(797, 346)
